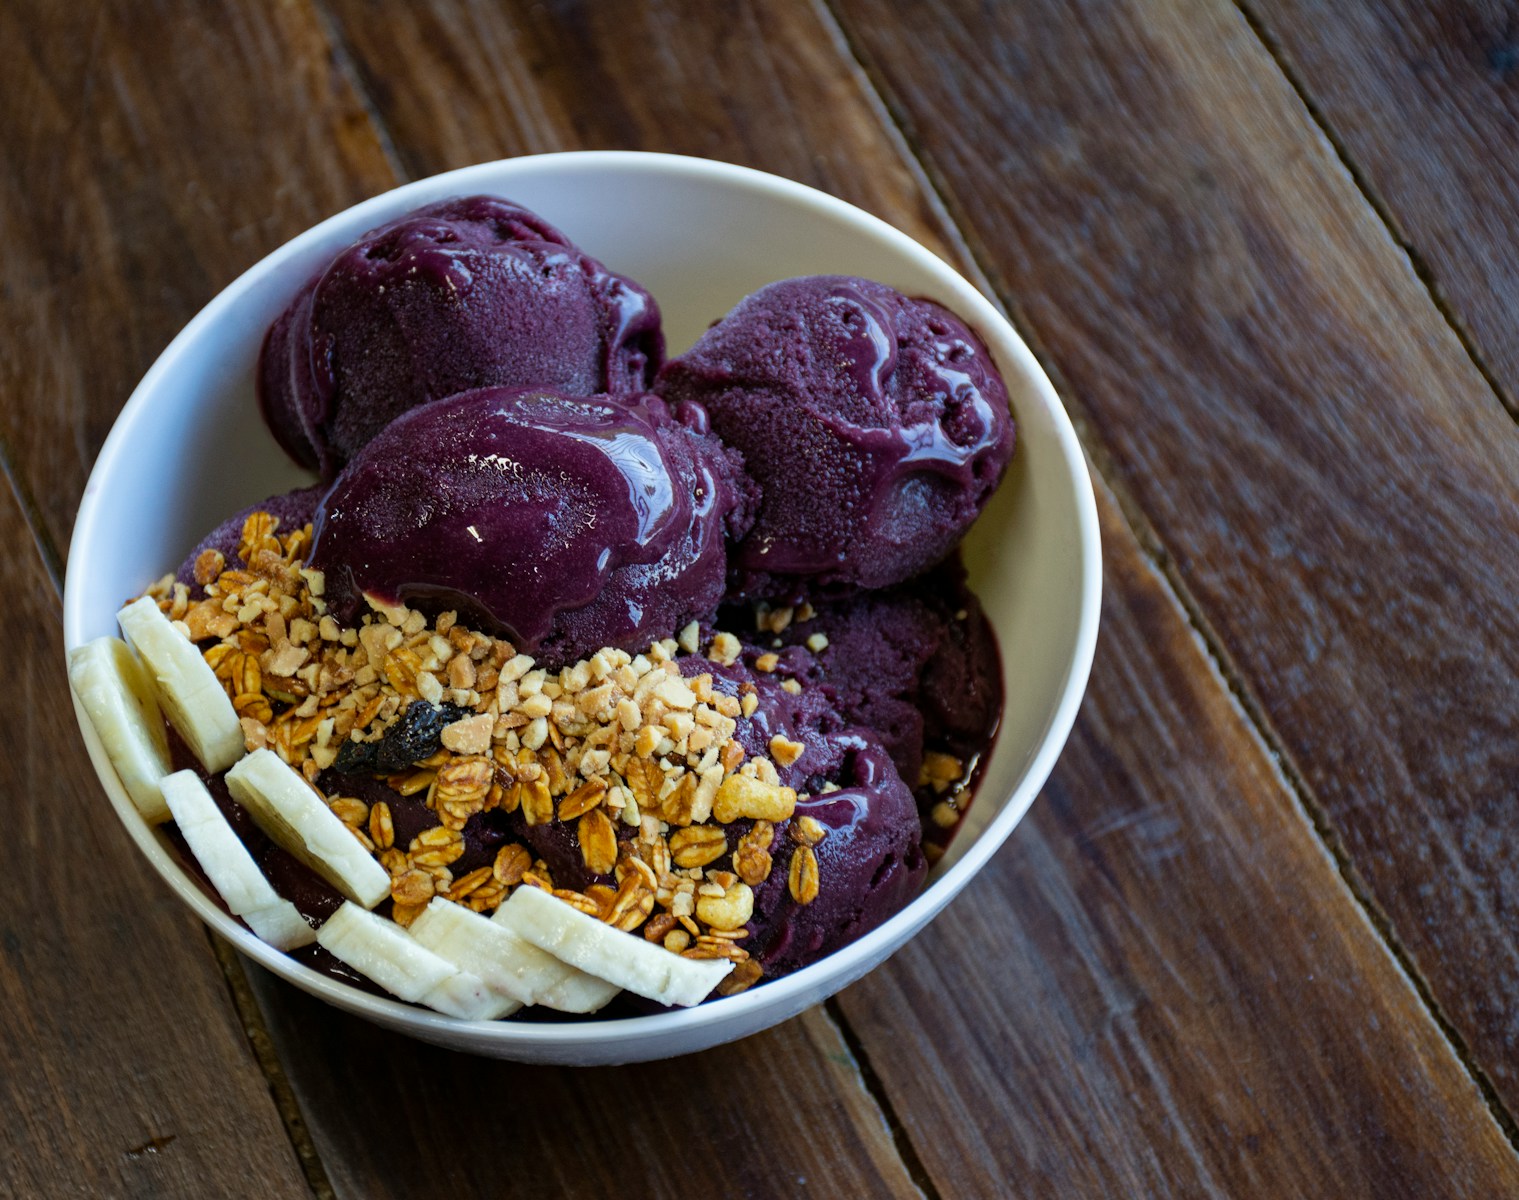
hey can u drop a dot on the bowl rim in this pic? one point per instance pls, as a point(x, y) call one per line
point(843, 965)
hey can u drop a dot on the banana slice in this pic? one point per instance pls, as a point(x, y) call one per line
point(384, 952)
point(230, 867)
point(289, 811)
point(118, 698)
point(186, 686)
point(506, 962)
point(611, 954)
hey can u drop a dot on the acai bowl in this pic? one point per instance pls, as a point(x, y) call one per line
point(190, 448)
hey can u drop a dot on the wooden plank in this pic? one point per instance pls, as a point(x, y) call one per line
point(457, 83)
point(780, 1114)
point(1320, 1084)
point(123, 1066)
point(1162, 986)
point(1333, 480)
point(145, 160)
point(198, 186)
point(1421, 98)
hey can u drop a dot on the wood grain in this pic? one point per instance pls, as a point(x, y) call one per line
point(1161, 987)
point(457, 82)
point(1211, 1076)
point(1422, 99)
point(123, 1067)
point(780, 1114)
point(147, 156)
point(1331, 477)
point(199, 182)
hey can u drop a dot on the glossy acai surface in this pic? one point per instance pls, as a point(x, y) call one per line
point(564, 524)
point(465, 293)
point(876, 426)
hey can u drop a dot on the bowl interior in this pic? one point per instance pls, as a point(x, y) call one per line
point(190, 448)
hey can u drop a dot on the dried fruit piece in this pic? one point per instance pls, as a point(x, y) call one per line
point(415, 736)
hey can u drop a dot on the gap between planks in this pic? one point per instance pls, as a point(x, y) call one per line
point(240, 995)
point(1139, 525)
point(1136, 520)
point(1362, 181)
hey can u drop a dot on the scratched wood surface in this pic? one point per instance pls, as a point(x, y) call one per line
point(1423, 100)
point(124, 1069)
point(1334, 483)
point(1188, 974)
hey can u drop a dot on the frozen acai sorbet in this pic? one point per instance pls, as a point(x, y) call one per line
point(226, 543)
point(876, 426)
point(854, 822)
point(917, 663)
point(580, 679)
point(462, 294)
point(563, 524)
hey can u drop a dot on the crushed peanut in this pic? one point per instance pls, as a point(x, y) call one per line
point(641, 761)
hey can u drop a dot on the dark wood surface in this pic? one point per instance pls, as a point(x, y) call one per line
point(1255, 938)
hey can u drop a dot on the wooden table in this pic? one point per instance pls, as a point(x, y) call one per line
point(1257, 938)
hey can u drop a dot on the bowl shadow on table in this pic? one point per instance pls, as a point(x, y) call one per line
point(771, 1114)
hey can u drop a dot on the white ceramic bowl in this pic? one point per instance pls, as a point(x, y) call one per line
point(189, 448)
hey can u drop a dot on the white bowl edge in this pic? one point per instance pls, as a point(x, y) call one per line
point(636, 1038)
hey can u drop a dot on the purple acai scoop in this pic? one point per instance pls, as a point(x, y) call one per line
point(870, 861)
point(562, 524)
point(876, 426)
point(466, 293)
point(916, 663)
point(291, 509)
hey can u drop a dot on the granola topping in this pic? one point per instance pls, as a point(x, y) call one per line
point(639, 761)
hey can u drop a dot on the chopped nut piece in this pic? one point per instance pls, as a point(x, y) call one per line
point(784, 751)
point(677, 940)
point(690, 637)
point(941, 770)
point(767, 662)
point(472, 735)
point(731, 910)
point(817, 642)
point(944, 814)
point(802, 880)
point(725, 649)
point(740, 796)
point(792, 686)
point(808, 830)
